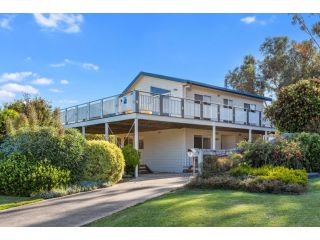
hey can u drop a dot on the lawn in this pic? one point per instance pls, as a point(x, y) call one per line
point(10, 201)
point(190, 207)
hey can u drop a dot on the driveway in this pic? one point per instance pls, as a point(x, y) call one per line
point(82, 208)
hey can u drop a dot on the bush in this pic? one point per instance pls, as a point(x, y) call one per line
point(280, 153)
point(310, 145)
point(64, 151)
point(297, 107)
point(215, 164)
point(20, 176)
point(104, 161)
point(250, 184)
point(131, 157)
point(285, 175)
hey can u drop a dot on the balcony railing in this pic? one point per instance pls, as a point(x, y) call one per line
point(162, 105)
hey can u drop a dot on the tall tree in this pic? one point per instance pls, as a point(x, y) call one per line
point(285, 62)
point(246, 77)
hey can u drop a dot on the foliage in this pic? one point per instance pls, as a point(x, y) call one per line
point(20, 176)
point(279, 153)
point(6, 115)
point(285, 175)
point(215, 164)
point(310, 145)
point(297, 107)
point(245, 77)
point(131, 157)
point(45, 143)
point(283, 62)
point(251, 184)
point(82, 186)
point(34, 112)
point(104, 161)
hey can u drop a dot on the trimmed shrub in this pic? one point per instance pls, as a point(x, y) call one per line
point(104, 161)
point(250, 184)
point(215, 164)
point(131, 157)
point(285, 175)
point(64, 151)
point(297, 107)
point(20, 176)
point(310, 145)
point(280, 153)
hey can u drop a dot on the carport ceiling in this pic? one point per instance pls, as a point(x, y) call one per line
point(123, 127)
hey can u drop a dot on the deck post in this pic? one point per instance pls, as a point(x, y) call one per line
point(83, 131)
point(265, 135)
point(250, 135)
point(106, 131)
point(214, 136)
point(136, 143)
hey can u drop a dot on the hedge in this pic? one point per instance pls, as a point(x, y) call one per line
point(23, 177)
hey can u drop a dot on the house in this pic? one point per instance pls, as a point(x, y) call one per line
point(164, 116)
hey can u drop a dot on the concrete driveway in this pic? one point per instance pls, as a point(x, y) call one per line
point(82, 208)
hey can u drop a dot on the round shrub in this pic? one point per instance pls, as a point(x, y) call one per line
point(131, 157)
point(310, 145)
point(20, 176)
point(64, 151)
point(104, 161)
point(297, 107)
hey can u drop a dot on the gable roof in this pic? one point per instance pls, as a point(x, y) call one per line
point(181, 80)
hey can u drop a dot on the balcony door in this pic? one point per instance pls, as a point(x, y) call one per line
point(202, 111)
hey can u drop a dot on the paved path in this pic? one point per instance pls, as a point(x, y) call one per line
point(82, 208)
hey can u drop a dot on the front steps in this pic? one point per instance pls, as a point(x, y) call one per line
point(144, 169)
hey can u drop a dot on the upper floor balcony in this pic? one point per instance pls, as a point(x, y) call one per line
point(162, 105)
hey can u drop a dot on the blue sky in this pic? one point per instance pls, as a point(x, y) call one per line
point(74, 58)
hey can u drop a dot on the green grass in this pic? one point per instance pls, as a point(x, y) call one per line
point(11, 201)
point(192, 207)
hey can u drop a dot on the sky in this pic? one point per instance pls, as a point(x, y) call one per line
point(74, 58)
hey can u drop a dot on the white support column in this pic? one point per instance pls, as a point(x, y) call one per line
point(250, 135)
point(83, 131)
point(214, 137)
point(136, 142)
point(106, 131)
point(265, 135)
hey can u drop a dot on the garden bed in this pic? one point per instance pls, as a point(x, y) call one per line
point(266, 179)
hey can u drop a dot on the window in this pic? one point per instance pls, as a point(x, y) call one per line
point(227, 103)
point(250, 107)
point(202, 142)
point(141, 144)
point(159, 91)
point(202, 98)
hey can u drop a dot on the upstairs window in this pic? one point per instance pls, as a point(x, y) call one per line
point(250, 107)
point(159, 91)
point(227, 103)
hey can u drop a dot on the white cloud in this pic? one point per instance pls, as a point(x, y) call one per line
point(14, 87)
point(42, 81)
point(28, 59)
point(248, 20)
point(17, 76)
point(90, 66)
point(6, 22)
point(55, 90)
point(85, 65)
point(69, 23)
point(253, 19)
point(6, 95)
point(64, 82)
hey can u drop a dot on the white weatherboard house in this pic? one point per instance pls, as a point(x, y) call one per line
point(164, 116)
